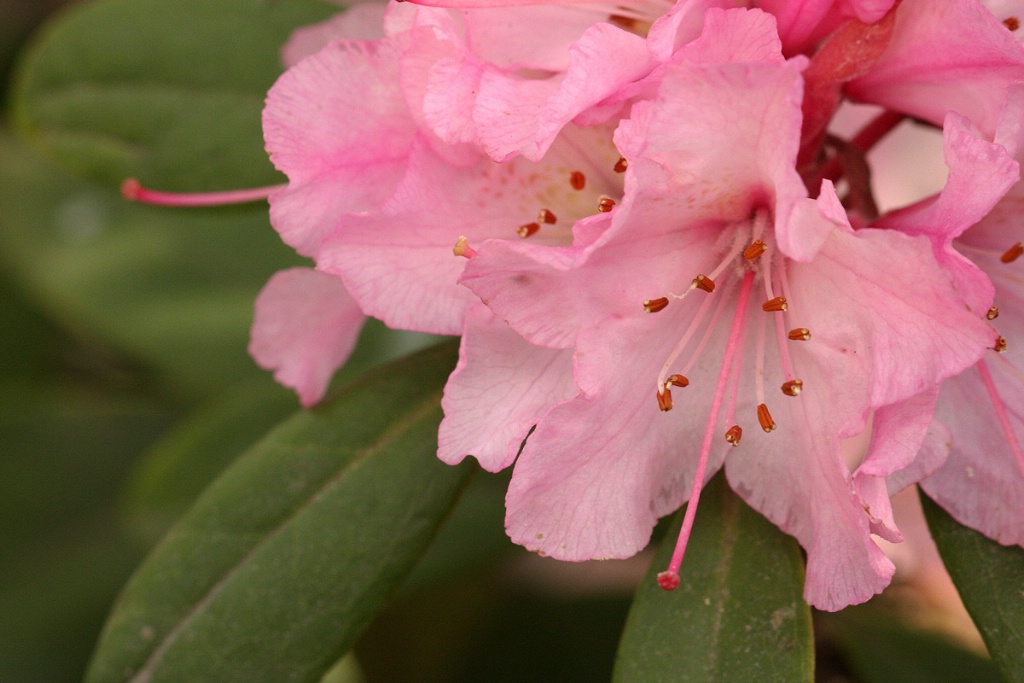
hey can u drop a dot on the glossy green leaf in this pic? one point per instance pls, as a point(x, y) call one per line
point(171, 287)
point(472, 538)
point(281, 562)
point(173, 474)
point(737, 615)
point(176, 470)
point(169, 91)
point(990, 579)
point(345, 671)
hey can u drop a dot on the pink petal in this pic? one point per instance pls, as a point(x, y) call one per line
point(501, 387)
point(305, 327)
point(980, 484)
point(802, 487)
point(398, 262)
point(341, 150)
point(944, 56)
point(980, 173)
point(802, 23)
point(599, 470)
point(922, 333)
point(360, 22)
point(682, 23)
point(734, 36)
point(897, 433)
point(516, 115)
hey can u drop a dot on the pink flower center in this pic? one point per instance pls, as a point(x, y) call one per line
point(751, 256)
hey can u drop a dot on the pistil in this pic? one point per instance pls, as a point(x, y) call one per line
point(133, 191)
point(669, 579)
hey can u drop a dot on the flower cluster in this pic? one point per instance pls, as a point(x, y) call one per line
point(665, 262)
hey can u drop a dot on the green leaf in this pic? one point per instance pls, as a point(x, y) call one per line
point(737, 615)
point(881, 650)
point(172, 287)
point(990, 579)
point(287, 555)
point(472, 538)
point(169, 91)
point(176, 470)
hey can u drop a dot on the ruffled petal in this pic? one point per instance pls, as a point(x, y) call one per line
point(980, 174)
point(947, 56)
point(398, 262)
point(304, 329)
point(341, 151)
point(897, 432)
point(499, 390)
point(359, 22)
point(600, 469)
point(981, 484)
point(893, 286)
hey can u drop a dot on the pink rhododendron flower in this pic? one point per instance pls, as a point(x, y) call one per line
point(655, 275)
point(710, 213)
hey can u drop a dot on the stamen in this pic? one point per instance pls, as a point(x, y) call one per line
point(665, 399)
point(705, 338)
point(691, 329)
point(734, 390)
point(678, 381)
point(462, 248)
point(655, 305)
point(545, 216)
point(1013, 253)
point(133, 191)
point(756, 248)
point(705, 283)
point(605, 204)
point(800, 334)
point(527, 229)
point(759, 368)
point(776, 305)
point(993, 313)
point(669, 579)
point(765, 418)
point(1012, 23)
point(734, 434)
point(793, 387)
point(621, 165)
point(625, 23)
point(577, 180)
point(1001, 415)
point(1000, 346)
